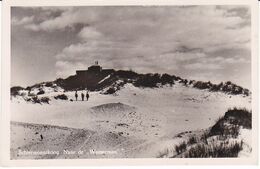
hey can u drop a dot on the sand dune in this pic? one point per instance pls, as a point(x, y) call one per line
point(63, 142)
point(135, 122)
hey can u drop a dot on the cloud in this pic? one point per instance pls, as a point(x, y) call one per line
point(65, 68)
point(68, 18)
point(231, 60)
point(25, 20)
point(202, 66)
point(88, 33)
point(195, 27)
point(169, 39)
point(216, 63)
point(184, 56)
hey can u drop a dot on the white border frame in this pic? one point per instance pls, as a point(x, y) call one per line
point(5, 87)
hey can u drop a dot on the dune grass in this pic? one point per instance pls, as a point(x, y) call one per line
point(214, 150)
point(230, 123)
point(219, 141)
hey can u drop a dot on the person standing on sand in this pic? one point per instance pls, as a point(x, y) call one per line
point(87, 95)
point(82, 96)
point(76, 95)
point(41, 137)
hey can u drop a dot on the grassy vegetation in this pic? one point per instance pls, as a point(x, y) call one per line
point(214, 150)
point(192, 140)
point(181, 147)
point(226, 127)
point(36, 99)
point(241, 117)
point(164, 153)
point(111, 90)
point(230, 123)
point(219, 141)
point(45, 100)
point(15, 90)
point(40, 92)
point(150, 80)
point(204, 137)
point(227, 87)
point(61, 97)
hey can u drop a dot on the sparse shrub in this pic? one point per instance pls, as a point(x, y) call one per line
point(129, 74)
point(45, 100)
point(28, 88)
point(234, 89)
point(38, 85)
point(184, 82)
point(36, 100)
point(31, 94)
point(177, 78)
point(111, 90)
point(166, 79)
point(191, 82)
point(28, 99)
point(246, 92)
point(40, 92)
point(228, 83)
point(181, 147)
point(202, 85)
point(61, 97)
point(49, 84)
point(215, 88)
point(148, 80)
point(237, 90)
point(227, 87)
point(15, 90)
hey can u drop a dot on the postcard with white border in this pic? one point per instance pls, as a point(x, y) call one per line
point(129, 82)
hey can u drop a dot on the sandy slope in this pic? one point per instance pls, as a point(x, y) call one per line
point(26, 139)
point(141, 121)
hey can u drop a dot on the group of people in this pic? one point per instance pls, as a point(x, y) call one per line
point(82, 95)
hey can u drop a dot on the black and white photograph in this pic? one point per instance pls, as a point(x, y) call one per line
point(142, 81)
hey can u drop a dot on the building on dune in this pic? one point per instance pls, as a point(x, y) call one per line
point(95, 69)
point(91, 77)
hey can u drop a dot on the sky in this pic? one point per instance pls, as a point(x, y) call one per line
point(209, 43)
